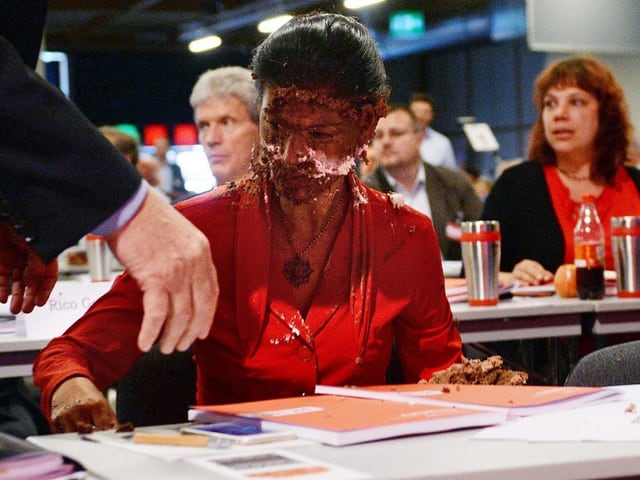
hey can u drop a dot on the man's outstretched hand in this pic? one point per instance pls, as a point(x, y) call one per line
point(171, 261)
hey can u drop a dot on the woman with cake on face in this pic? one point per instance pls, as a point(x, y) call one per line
point(314, 263)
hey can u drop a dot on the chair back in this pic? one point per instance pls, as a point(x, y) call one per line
point(612, 365)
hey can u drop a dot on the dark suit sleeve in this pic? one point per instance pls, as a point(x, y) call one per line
point(22, 23)
point(60, 177)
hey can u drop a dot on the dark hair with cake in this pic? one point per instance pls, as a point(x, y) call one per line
point(322, 50)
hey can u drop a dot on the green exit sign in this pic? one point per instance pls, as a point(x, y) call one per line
point(406, 23)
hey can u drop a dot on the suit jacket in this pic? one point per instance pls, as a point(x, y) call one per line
point(60, 178)
point(452, 199)
point(22, 23)
point(521, 202)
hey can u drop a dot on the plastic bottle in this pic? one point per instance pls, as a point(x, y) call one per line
point(588, 240)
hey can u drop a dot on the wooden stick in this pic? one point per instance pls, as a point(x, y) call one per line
point(171, 439)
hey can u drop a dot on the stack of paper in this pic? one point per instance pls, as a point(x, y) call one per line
point(21, 460)
point(344, 420)
point(514, 400)
point(457, 291)
point(344, 416)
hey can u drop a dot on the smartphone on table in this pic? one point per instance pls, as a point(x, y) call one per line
point(247, 434)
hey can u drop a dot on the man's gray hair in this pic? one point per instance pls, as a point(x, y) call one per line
point(224, 82)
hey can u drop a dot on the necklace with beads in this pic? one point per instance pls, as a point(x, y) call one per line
point(297, 270)
point(573, 176)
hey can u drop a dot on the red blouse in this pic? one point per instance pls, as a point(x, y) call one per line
point(620, 199)
point(383, 284)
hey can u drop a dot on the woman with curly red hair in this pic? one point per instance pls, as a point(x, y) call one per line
point(580, 144)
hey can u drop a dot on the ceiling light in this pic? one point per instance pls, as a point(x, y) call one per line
point(353, 4)
point(205, 43)
point(272, 24)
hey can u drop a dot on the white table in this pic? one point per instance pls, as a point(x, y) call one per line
point(616, 315)
point(522, 318)
point(17, 354)
point(527, 318)
point(452, 455)
point(68, 301)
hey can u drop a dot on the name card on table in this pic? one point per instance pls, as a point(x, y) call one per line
point(68, 301)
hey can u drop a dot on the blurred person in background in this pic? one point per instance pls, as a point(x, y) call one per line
point(146, 165)
point(124, 142)
point(580, 144)
point(149, 168)
point(435, 148)
point(226, 111)
point(444, 195)
point(170, 173)
point(481, 183)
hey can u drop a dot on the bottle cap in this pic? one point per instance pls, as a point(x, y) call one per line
point(588, 198)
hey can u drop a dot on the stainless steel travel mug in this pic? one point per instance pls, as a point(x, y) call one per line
point(99, 259)
point(625, 245)
point(480, 241)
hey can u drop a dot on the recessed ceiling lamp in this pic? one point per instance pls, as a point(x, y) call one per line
point(205, 43)
point(272, 24)
point(353, 4)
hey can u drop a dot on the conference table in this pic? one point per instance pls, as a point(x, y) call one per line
point(616, 315)
point(556, 319)
point(517, 318)
point(443, 456)
point(459, 455)
point(23, 336)
point(450, 455)
point(521, 318)
point(17, 354)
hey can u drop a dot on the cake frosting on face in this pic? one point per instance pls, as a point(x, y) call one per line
point(479, 372)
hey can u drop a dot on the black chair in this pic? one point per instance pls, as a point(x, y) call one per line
point(613, 365)
point(158, 390)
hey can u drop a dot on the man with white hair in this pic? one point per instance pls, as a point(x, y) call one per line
point(225, 111)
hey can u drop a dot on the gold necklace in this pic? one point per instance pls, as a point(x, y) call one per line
point(573, 176)
point(297, 270)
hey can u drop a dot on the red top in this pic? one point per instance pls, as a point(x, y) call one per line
point(620, 199)
point(383, 283)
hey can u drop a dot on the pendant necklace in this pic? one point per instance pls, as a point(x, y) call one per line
point(297, 270)
point(573, 176)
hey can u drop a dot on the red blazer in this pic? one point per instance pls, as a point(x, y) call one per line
point(384, 282)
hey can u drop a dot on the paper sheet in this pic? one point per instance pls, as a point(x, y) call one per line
point(267, 460)
point(275, 464)
point(174, 453)
point(616, 421)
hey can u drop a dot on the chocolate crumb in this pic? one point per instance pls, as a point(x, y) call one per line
point(479, 372)
point(125, 427)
